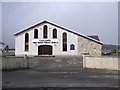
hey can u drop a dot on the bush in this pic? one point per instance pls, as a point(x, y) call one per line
point(114, 51)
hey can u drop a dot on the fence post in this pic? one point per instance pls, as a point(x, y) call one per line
point(26, 60)
point(84, 61)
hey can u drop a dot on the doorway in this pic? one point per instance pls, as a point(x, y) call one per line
point(44, 50)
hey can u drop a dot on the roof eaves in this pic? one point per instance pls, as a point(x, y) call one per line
point(32, 26)
point(46, 21)
point(74, 32)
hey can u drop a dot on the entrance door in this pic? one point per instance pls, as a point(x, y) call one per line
point(45, 50)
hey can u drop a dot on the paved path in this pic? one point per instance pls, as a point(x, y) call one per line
point(59, 72)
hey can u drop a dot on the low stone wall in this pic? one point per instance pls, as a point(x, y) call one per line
point(8, 53)
point(14, 63)
point(101, 62)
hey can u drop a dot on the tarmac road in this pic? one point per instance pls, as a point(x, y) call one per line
point(63, 72)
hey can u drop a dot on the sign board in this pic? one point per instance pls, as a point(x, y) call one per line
point(45, 41)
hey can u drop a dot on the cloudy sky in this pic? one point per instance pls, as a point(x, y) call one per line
point(88, 18)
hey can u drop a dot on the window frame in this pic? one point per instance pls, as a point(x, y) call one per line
point(64, 41)
point(72, 47)
point(45, 31)
point(26, 42)
point(36, 34)
point(54, 33)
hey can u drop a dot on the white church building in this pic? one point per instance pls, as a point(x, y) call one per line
point(47, 38)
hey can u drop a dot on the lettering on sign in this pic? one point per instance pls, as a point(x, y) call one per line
point(48, 41)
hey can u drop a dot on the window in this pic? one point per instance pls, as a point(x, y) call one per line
point(45, 31)
point(72, 47)
point(26, 42)
point(64, 41)
point(36, 33)
point(54, 33)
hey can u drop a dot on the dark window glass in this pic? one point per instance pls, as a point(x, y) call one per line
point(54, 33)
point(64, 41)
point(36, 33)
point(45, 31)
point(26, 42)
point(72, 47)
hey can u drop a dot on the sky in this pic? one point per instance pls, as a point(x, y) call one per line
point(88, 18)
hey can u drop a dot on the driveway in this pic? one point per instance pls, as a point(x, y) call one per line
point(60, 71)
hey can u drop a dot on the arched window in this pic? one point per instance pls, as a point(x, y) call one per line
point(64, 41)
point(72, 47)
point(45, 31)
point(36, 33)
point(26, 42)
point(54, 33)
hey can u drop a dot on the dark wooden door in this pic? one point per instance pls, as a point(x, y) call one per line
point(45, 50)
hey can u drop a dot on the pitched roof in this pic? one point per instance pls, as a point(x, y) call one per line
point(95, 37)
point(59, 26)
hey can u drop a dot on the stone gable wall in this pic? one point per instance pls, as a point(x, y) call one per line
point(88, 46)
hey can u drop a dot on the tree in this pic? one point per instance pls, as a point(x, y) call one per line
point(6, 47)
point(114, 51)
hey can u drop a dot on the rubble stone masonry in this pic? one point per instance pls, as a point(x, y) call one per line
point(89, 47)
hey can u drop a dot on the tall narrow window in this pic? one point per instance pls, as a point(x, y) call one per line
point(36, 33)
point(54, 33)
point(64, 41)
point(45, 31)
point(26, 42)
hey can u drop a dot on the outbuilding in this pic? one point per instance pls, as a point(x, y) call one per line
point(47, 38)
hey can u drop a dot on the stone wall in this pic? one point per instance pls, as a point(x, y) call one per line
point(88, 46)
point(101, 62)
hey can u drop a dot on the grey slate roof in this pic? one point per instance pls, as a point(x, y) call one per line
point(95, 37)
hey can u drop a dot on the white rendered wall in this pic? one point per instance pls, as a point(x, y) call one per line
point(19, 45)
point(57, 48)
point(71, 39)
